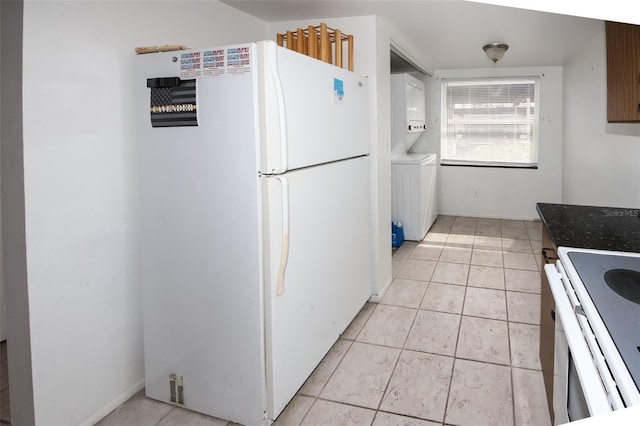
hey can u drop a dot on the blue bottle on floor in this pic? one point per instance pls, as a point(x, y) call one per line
point(397, 234)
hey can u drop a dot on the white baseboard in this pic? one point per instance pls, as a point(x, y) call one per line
point(483, 216)
point(107, 409)
point(376, 298)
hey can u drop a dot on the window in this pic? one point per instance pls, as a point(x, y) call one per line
point(490, 122)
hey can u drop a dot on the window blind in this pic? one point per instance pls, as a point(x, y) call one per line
point(490, 122)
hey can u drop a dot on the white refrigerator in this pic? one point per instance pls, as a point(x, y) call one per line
point(254, 222)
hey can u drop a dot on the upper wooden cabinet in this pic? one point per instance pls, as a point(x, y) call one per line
point(623, 72)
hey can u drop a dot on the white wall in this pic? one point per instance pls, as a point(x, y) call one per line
point(371, 58)
point(503, 193)
point(601, 161)
point(381, 177)
point(84, 300)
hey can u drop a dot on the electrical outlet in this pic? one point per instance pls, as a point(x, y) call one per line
point(476, 193)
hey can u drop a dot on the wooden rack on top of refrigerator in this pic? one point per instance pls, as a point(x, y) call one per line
point(320, 42)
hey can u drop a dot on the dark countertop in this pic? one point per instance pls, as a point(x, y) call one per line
point(592, 227)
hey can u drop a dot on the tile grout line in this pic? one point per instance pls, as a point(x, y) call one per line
point(513, 396)
point(317, 397)
point(163, 417)
point(455, 350)
point(409, 416)
point(386, 388)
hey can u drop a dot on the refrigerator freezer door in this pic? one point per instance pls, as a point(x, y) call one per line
point(327, 278)
point(313, 112)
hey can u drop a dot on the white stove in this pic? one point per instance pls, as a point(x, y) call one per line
point(597, 340)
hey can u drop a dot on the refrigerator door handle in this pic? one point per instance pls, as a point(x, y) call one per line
point(282, 113)
point(284, 254)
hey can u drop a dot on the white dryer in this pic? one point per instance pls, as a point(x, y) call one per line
point(413, 175)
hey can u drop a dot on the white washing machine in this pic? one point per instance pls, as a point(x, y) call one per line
point(413, 175)
point(413, 193)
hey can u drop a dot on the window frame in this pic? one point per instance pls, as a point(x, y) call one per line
point(444, 139)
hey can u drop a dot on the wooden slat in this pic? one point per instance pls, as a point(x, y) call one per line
point(318, 48)
point(290, 43)
point(350, 48)
point(300, 44)
point(312, 42)
point(280, 39)
point(338, 35)
point(305, 43)
point(325, 44)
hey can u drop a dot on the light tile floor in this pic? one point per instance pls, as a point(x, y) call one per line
point(454, 341)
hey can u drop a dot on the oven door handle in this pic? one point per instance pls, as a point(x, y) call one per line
point(593, 388)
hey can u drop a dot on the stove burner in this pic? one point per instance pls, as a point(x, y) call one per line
point(625, 282)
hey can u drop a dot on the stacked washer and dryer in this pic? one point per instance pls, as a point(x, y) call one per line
point(413, 175)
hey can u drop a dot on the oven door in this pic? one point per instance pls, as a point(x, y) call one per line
point(578, 391)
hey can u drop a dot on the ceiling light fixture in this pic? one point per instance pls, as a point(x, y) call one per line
point(495, 51)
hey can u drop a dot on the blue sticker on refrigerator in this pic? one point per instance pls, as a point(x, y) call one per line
point(338, 91)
